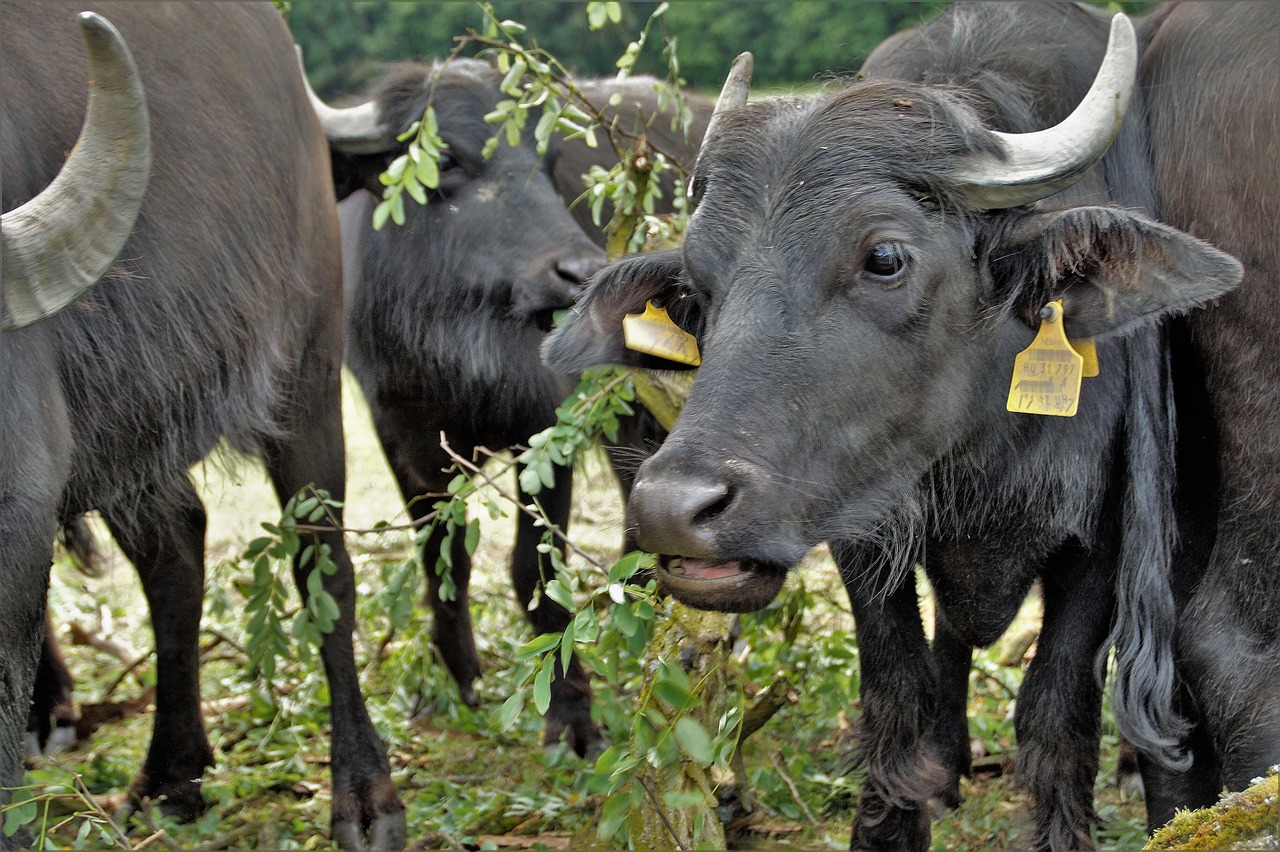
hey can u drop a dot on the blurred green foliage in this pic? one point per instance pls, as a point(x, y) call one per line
point(794, 41)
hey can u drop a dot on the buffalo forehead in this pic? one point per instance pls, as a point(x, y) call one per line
point(886, 132)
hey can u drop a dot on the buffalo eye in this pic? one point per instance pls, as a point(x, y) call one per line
point(885, 260)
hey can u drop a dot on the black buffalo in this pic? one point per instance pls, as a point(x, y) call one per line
point(217, 322)
point(445, 314)
point(53, 252)
point(867, 263)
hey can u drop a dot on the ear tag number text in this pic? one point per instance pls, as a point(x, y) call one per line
point(655, 333)
point(1048, 373)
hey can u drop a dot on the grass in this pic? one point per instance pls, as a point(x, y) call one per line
point(462, 777)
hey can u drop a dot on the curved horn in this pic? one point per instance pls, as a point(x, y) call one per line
point(737, 86)
point(58, 244)
point(353, 130)
point(1036, 165)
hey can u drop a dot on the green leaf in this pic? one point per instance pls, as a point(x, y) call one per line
point(428, 173)
point(415, 190)
point(542, 686)
point(511, 83)
point(556, 591)
point(679, 799)
point(538, 645)
point(614, 813)
point(510, 711)
point(624, 620)
point(530, 480)
point(380, 214)
point(675, 696)
point(694, 740)
point(628, 565)
point(21, 811)
point(472, 538)
point(566, 645)
point(597, 14)
point(585, 626)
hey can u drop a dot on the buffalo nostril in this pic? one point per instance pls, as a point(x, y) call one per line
point(676, 516)
point(716, 500)
point(578, 270)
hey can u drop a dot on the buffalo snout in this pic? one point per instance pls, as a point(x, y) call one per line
point(703, 526)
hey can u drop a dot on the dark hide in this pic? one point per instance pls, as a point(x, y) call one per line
point(218, 322)
point(446, 313)
point(828, 232)
point(1213, 80)
point(52, 718)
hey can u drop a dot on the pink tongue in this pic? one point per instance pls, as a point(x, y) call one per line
point(702, 569)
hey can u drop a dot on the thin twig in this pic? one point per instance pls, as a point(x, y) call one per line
point(477, 471)
point(128, 670)
point(657, 806)
point(791, 785)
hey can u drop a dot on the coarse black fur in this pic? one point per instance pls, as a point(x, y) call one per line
point(446, 313)
point(219, 322)
point(907, 453)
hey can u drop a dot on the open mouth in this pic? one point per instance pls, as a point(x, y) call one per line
point(726, 586)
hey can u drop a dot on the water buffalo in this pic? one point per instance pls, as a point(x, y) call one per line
point(445, 314)
point(866, 264)
point(218, 322)
point(53, 251)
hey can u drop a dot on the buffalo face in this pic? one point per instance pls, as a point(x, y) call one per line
point(861, 316)
point(452, 305)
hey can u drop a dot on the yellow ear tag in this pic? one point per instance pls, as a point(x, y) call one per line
point(1090, 354)
point(1047, 374)
point(655, 333)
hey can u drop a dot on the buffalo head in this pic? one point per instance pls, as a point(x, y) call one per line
point(866, 268)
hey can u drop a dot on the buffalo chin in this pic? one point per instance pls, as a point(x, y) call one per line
point(730, 586)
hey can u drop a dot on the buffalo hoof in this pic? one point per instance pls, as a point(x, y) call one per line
point(582, 734)
point(180, 800)
point(880, 827)
point(372, 820)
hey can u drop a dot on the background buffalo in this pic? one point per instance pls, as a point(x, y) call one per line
point(219, 322)
point(445, 313)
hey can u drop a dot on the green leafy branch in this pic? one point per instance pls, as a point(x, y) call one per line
point(27, 808)
point(533, 81)
point(272, 557)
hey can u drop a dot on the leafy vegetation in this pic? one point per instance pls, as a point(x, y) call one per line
point(470, 774)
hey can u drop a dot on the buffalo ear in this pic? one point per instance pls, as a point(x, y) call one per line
point(1115, 270)
point(353, 172)
point(591, 333)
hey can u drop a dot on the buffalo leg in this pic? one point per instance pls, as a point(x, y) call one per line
point(418, 466)
point(953, 658)
point(165, 542)
point(1058, 718)
point(364, 799)
point(1167, 790)
point(570, 709)
point(53, 713)
point(1230, 645)
point(898, 692)
point(26, 535)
